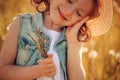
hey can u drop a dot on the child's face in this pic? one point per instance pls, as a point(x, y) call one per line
point(68, 12)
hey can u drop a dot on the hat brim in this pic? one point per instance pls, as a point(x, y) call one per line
point(101, 24)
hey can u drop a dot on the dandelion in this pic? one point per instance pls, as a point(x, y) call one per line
point(111, 52)
point(93, 54)
point(117, 55)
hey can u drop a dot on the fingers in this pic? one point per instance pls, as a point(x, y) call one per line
point(50, 55)
point(48, 60)
point(50, 71)
point(47, 65)
point(77, 26)
point(51, 74)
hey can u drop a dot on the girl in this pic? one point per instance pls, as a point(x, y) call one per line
point(58, 31)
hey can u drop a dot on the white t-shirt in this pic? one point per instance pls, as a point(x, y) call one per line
point(53, 35)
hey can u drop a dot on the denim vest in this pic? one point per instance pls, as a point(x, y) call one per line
point(28, 54)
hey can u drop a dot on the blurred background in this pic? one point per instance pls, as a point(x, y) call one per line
point(101, 55)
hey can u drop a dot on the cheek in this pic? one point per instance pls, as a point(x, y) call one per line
point(74, 19)
point(58, 3)
point(55, 17)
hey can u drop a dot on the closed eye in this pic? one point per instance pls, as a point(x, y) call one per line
point(78, 13)
point(70, 1)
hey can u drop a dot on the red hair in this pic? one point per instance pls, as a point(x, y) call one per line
point(84, 33)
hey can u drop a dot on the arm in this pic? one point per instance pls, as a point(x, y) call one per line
point(9, 71)
point(74, 55)
point(74, 64)
point(8, 55)
point(13, 72)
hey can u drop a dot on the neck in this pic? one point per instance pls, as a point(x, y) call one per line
point(49, 24)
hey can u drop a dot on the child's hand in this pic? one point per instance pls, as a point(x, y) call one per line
point(71, 33)
point(47, 67)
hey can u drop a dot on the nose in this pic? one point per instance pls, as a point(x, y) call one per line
point(70, 10)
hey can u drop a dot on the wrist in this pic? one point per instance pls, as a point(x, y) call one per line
point(74, 49)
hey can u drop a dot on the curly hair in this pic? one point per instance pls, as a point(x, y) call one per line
point(41, 5)
point(84, 33)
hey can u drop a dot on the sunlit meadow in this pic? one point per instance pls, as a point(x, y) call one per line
point(101, 55)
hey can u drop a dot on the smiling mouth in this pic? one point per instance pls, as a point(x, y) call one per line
point(61, 15)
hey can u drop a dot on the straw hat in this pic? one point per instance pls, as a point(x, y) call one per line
point(101, 24)
point(97, 26)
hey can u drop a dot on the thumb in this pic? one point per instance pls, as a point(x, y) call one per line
point(50, 55)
